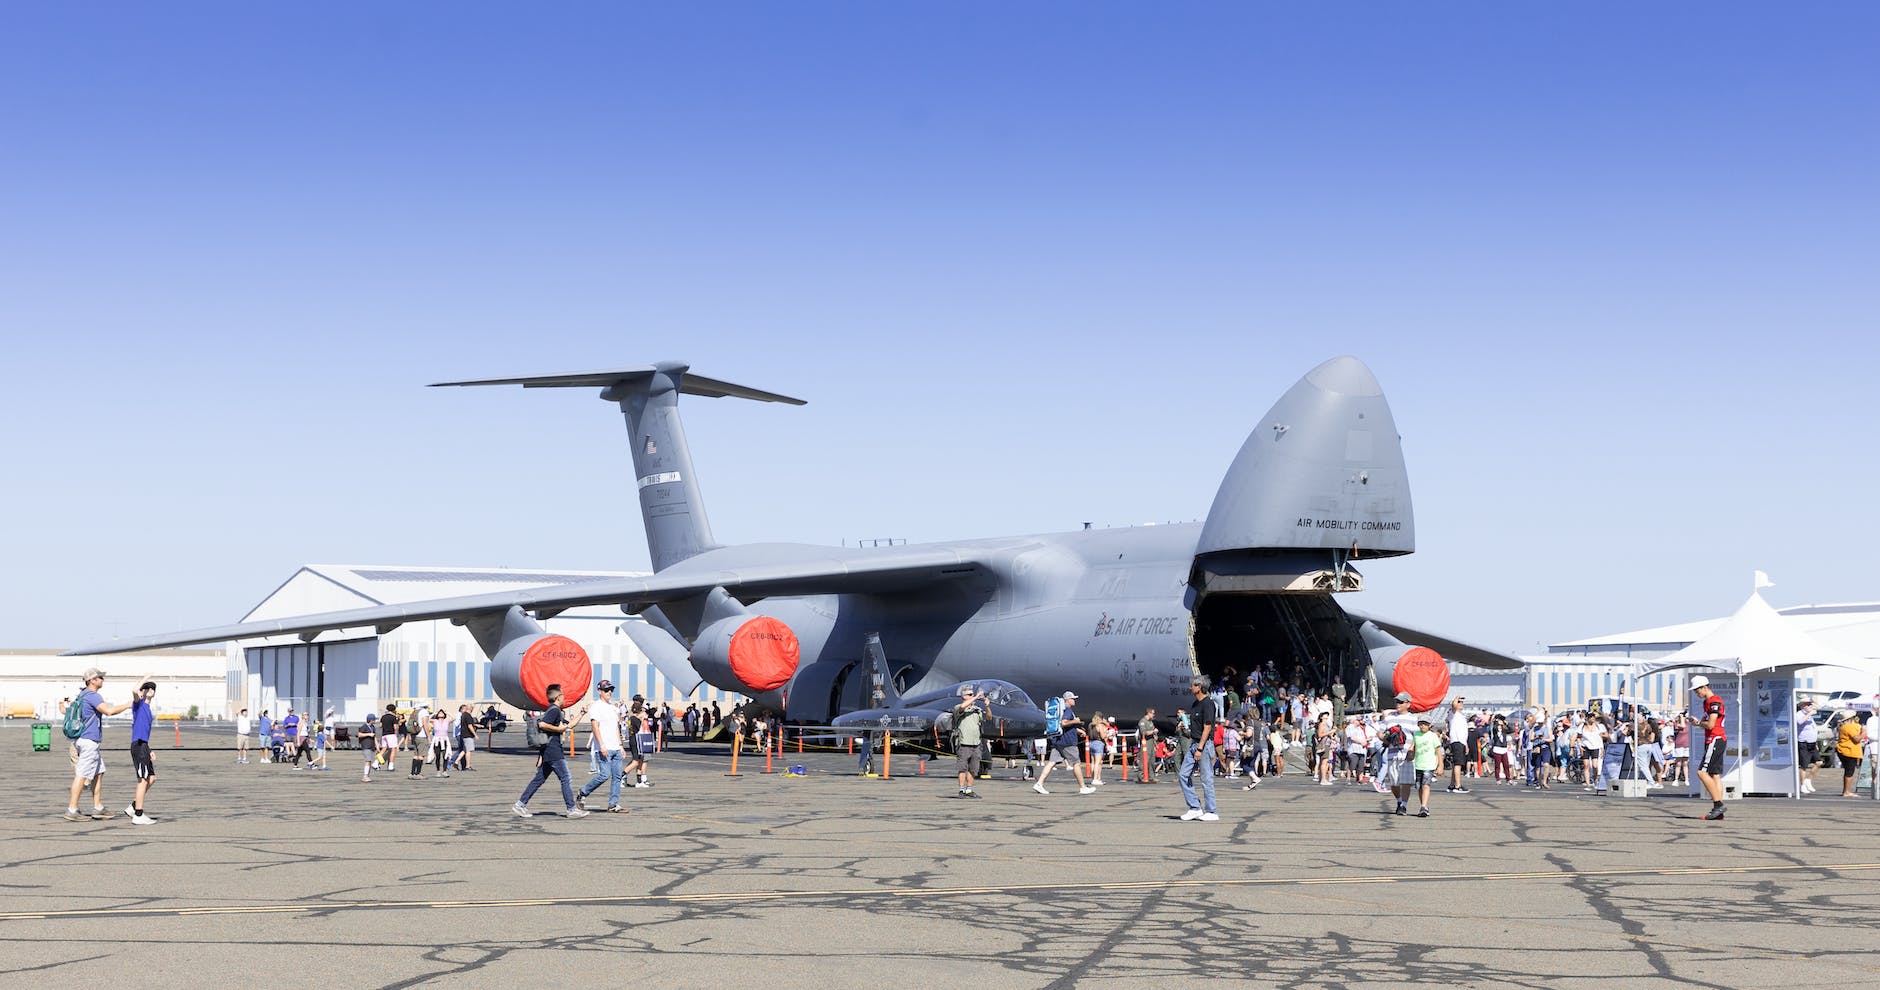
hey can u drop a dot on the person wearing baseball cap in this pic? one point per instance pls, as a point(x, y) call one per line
point(604, 724)
point(88, 758)
point(1066, 747)
point(1710, 766)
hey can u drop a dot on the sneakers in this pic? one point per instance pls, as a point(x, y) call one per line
point(641, 784)
point(577, 813)
point(102, 814)
point(1457, 790)
point(521, 810)
point(367, 779)
point(1251, 785)
point(1402, 808)
point(1086, 790)
point(614, 809)
point(1191, 814)
point(1039, 787)
point(74, 816)
point(142, 820)
point(580, 802)
point(969, 792)
point(1716, 814)
point(1096, 783)
point(1423, 812)
point(1209, 816)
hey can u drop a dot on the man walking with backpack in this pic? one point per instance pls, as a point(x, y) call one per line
point(84, 725)
point(1066, 744)
point(554, 759)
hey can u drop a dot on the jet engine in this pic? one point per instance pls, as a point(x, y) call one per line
point(1402, 667)
point(759, 652)
point(525, 659)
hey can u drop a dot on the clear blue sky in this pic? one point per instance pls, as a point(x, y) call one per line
point(1031, 264)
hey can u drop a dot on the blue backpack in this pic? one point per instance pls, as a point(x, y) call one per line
point(1054, 716)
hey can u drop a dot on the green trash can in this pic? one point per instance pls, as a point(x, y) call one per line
point(42, 737)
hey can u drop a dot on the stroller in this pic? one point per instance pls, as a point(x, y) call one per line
point(1165, 758)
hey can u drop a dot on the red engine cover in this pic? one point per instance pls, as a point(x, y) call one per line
point(764, 654)
point(555, 659)
point(1422, 672)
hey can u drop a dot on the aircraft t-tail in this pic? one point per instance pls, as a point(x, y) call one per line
point(1123, 616)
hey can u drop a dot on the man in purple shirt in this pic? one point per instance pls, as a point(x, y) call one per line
point(142, 720)
point(87, 755)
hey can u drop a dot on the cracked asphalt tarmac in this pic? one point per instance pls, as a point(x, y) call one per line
point(832, 880)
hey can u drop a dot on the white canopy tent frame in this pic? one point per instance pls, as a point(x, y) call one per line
point(1757, 639)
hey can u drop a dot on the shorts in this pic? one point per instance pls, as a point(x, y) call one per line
point(1849, 766)
point(1096, 750)
point(1397, 770)
point(468, 744)
point(141, 764)
point(1680, 752)
point(388, 742)
point(966, 759)
point(1063, 754)
point(1424, 777)
point(87, 760)
point(1713, 757)
point(1458, 753)
point(1811, 754)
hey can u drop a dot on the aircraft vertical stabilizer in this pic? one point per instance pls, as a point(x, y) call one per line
point(670, 504)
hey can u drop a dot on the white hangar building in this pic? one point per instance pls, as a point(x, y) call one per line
point(1572, 672)
point(359, 671)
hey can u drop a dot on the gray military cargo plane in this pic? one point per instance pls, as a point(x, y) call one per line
point(1124, 616)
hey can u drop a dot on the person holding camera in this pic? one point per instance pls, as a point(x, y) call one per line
point(969, 719)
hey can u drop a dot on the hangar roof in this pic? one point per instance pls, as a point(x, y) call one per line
point(1852, 626)
point(379, 584)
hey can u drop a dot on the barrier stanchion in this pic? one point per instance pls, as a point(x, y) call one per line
point(922, 772)
point(887, 749)
point(799, 740)
point(178, 723)
point(1124, 755)
point(737, 743)
point(849, 743)
point(769, 750)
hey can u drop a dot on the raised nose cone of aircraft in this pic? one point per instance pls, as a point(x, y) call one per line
point(1324, 470)
point(1345, 375)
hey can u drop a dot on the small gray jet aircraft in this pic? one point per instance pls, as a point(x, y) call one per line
point(1123, 616)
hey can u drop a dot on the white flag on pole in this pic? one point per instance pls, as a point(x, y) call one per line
point(1762, 581)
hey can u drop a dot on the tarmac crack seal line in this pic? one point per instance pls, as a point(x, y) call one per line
point(1023, 888)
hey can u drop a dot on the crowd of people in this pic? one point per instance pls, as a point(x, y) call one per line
point(1224, 733)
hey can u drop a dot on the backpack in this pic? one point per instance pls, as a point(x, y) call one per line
point(75, 718)
point(1394, 737)
point(1054, 716)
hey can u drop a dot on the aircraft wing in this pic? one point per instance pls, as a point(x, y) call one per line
point(881, 571)
point(1451, 649)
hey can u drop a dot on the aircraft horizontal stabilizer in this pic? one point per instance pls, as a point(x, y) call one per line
point(690, 384)
point(1451, 649)
point(817, 571)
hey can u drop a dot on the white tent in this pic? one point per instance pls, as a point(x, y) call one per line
point(1757, 640)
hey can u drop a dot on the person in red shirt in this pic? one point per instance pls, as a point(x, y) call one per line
point(1710, 766)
